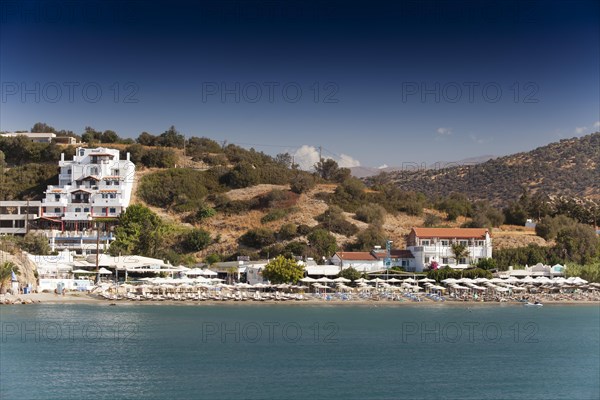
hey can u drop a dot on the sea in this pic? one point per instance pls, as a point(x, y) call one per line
point(293, 351)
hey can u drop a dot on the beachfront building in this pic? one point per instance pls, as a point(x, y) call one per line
point(15, 216)
point(429, 245)
point(365, 261)
point(94, 185)
point(534, 271)
point(93, 189)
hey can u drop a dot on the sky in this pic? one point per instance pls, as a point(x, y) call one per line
point(371, 83)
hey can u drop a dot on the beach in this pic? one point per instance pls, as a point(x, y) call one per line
point(93, 299)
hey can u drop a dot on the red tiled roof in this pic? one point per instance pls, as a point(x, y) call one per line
point(395, 254)
point(356, 255)
point(102, 154)
point(459, 233)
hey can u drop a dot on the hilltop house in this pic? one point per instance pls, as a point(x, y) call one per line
point(40, 137)
point(435, 244)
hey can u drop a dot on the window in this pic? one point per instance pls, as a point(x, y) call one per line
point(69, 171)
point(427, 259)
point(108, 183)
point(104, 210)
point(445, 242)
point(56, 209)
point(81, 152)
point(463, 242)
point(405, 263)
point(425, 242)
point(480, 243)
point(57, 197)
point(445, 260)
point(78, 209)
point(86, 209)
point(462, 261)
point(113, 210)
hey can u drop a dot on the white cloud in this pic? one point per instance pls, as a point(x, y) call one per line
point(444, 131)
point(597, 124)
point(580, 129)
point(346, 161)
point(307, 156)
point(382, 166)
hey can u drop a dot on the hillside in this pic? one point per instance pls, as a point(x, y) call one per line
point(570, 167)
point(225, 200)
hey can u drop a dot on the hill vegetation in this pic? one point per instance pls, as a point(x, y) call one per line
point(199, 200)
point(570, 167)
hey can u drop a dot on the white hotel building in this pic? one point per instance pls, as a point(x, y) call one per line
point(95, 184)
point(435, 244)
point(93, 189)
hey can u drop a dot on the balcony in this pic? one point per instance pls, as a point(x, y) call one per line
point(52, 214)
point(77, 216)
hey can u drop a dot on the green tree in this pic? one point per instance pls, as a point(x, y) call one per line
point(197, 239)
point(159, 158)
point(171, 138)
point(147, 139)
point(578, 244)
point(212, 259)
point(350, 273)
point(327, 169)
point(549, 227)
point(322, 243)
point(140, 231)
point(283, 270)
point(302, 183)
point(91, 135)
point(35, 244)
point(109, 136)
point(369, 238)
point(486, 263)
point(460, 251)
point(42, 127)
point(6, 269)
point(288, 231)
point(243, 175)
point(371, 214)
point(589, 272)
point(257, 238)
point(432, 220)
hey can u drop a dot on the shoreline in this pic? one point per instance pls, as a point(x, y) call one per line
point(52, 299)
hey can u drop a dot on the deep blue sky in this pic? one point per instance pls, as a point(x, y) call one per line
point(377, 57)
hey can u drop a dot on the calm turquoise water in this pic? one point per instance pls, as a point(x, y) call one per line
point(299, 352)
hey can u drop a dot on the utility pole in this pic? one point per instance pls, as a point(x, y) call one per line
point(320, 153)
point(97, 252)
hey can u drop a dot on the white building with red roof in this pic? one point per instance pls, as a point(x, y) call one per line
point(435, 244)
point(365, 261)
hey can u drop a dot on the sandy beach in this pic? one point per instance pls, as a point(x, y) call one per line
point(84, 298)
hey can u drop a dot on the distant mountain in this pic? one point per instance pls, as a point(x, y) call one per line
point(570, 167)
point(365, 172)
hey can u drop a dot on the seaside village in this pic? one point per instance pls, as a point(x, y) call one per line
point(79, 213)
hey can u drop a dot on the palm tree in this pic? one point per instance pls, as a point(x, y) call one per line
point(6, 269)
point(460, 251)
